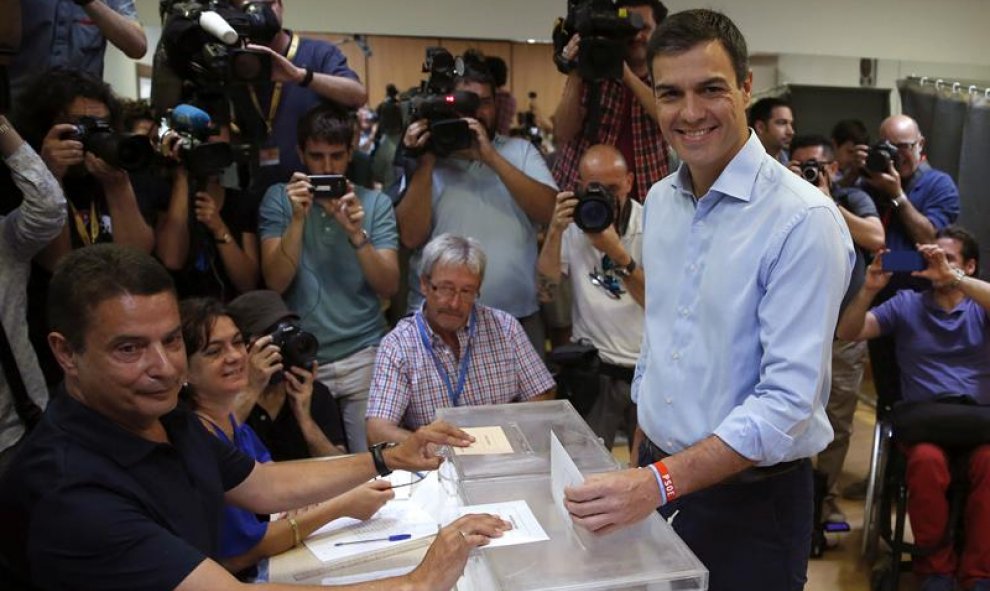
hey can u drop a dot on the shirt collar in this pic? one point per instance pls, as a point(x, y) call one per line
point(737, 178)
point(97, 432)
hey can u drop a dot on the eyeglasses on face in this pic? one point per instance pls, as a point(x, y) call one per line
point(447, 292)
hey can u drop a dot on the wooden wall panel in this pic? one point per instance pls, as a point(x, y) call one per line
point(398, 60)
point(355, 57)
point(532, 69)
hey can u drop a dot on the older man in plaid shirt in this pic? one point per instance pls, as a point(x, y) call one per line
point(452, 352)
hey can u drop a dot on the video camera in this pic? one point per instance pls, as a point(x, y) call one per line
point(201, 157)
point(297, 347)
point(880, 156)
point(442, 106)
point(605, 30)
point(125, 151)
point(596, 208)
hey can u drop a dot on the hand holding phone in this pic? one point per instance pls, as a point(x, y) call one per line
point(328, 186)
point(903, 261)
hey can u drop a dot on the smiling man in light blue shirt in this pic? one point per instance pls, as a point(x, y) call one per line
point(746, 265)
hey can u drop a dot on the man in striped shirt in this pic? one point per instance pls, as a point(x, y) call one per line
point(452, 352)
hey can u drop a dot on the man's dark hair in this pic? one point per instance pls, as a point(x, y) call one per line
point(762, 109)
point(327, 123)
point(198, 317)
point(498, 69)
point(134, 111)
point(476, 70)
point(684, 30)
point(88, 276)
point(970, 250)
point(659, 10)
point(813, 141)
point(51, 93)
point(850, 130)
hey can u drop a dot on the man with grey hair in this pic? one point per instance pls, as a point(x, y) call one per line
point(452, 351)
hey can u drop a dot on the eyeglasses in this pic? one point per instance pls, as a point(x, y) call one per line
point(448, 292)
point(906, 146)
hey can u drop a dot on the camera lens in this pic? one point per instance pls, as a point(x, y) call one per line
point(593, 215)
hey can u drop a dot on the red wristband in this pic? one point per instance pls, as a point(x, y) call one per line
point(666, 481)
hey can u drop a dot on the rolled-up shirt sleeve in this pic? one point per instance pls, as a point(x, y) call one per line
point(40, 216)
point(803, 285)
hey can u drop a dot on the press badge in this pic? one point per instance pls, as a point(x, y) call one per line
point(268, 156)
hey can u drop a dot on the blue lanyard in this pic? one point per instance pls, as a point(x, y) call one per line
point(454, 395)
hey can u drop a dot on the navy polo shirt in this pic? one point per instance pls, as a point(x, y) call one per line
point(87, 504)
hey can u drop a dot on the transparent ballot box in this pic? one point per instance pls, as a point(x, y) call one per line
point(648, 556)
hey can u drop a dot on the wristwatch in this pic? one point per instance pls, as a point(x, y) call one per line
point(377, 454)
point(627, 270)
point(896, 201)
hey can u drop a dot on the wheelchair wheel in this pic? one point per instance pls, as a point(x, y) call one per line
point(817, 543)
point(874, 490)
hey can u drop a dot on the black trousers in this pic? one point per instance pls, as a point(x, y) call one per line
point(752, 532)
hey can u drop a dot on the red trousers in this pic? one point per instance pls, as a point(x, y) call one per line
point(928, 480)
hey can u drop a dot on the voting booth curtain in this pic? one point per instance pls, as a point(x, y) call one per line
point(955, 120)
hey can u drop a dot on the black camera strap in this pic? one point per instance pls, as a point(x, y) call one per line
point(593, 105)
point(27, 410)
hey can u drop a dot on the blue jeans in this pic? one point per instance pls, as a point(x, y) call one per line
point(751, 535)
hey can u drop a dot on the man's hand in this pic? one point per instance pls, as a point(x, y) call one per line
point(107, 175)
point(607, 242)
point(300, 193)
point(444, 561)
point(938, 271)
point(876, 277)
point(264, 361)
point(362, 502)
point(563, 210)
point(282, 69)
point(59, 154)
point(611, 501)
point(570, 51)
point(349, 213)
point(208, 213)
point(419, 450)
point(483, 151)
point(417, 134)
point(822, 183)
point(299, 390)
point(888, 182)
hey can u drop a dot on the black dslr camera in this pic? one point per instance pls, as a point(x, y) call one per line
point(605, 34)
point(442, 106)
point(880, 156)
point(125, 151)
point(298, 347)
point(596, 208)
point(811, 171)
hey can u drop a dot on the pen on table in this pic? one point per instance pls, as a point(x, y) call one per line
point(392, 538)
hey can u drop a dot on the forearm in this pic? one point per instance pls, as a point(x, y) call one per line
point(240, 261)
point(379, 430)
point(642, 92)
point(414, 212)
point(282, 486)
point(280, 257)
point(172, 233)
point(548, 269)
point(380, 268)
point(919, 228)
point(129, 227)
point(124, 33)
point(210, 576)
point(704, 464)
point(636, 286)
point(41, 214)
point(853, 318)
point(344, 91)
point(867, 233)
point(533, 197)
point(568, 119)
point(977, 290)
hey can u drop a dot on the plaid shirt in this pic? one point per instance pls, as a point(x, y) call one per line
point(649, 148)
point(406, 388)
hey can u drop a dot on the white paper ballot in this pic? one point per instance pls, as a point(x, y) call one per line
point(395, 518)
point(563, 472)
point(526, 529)
point(488, 440)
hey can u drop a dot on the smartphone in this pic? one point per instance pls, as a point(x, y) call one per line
point(903, 261)
point(328, 186)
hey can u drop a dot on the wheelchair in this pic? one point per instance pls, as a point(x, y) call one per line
point(885, 513)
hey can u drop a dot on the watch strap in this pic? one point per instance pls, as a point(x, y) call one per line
point(378, 456)
point(628, 269)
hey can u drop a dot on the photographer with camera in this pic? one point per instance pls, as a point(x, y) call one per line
point(330, 249)
point(294, 415)
point(595, 240)
point(73, 120)
point(496, 190)
point(617, 112)
point(813, 159)
point(73, 34)
point(851, 143)
point(305, 73)
point(214, 253)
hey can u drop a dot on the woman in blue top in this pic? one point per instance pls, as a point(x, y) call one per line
point(217, 375)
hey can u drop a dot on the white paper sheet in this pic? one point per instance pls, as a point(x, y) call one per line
point(526, 529)
point(563, 472)
point(394, 518)
point(488, 440)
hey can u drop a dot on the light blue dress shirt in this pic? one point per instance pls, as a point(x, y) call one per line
point(742, 297)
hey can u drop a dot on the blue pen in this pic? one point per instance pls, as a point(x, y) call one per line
point(392, 538)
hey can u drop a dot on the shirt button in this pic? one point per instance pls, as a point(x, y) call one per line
point(675, 355)
point(670, 444)
point(684, 312)
point(670, 401)
point(692, 267)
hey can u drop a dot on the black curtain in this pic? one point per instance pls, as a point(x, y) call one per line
point(956, 126)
